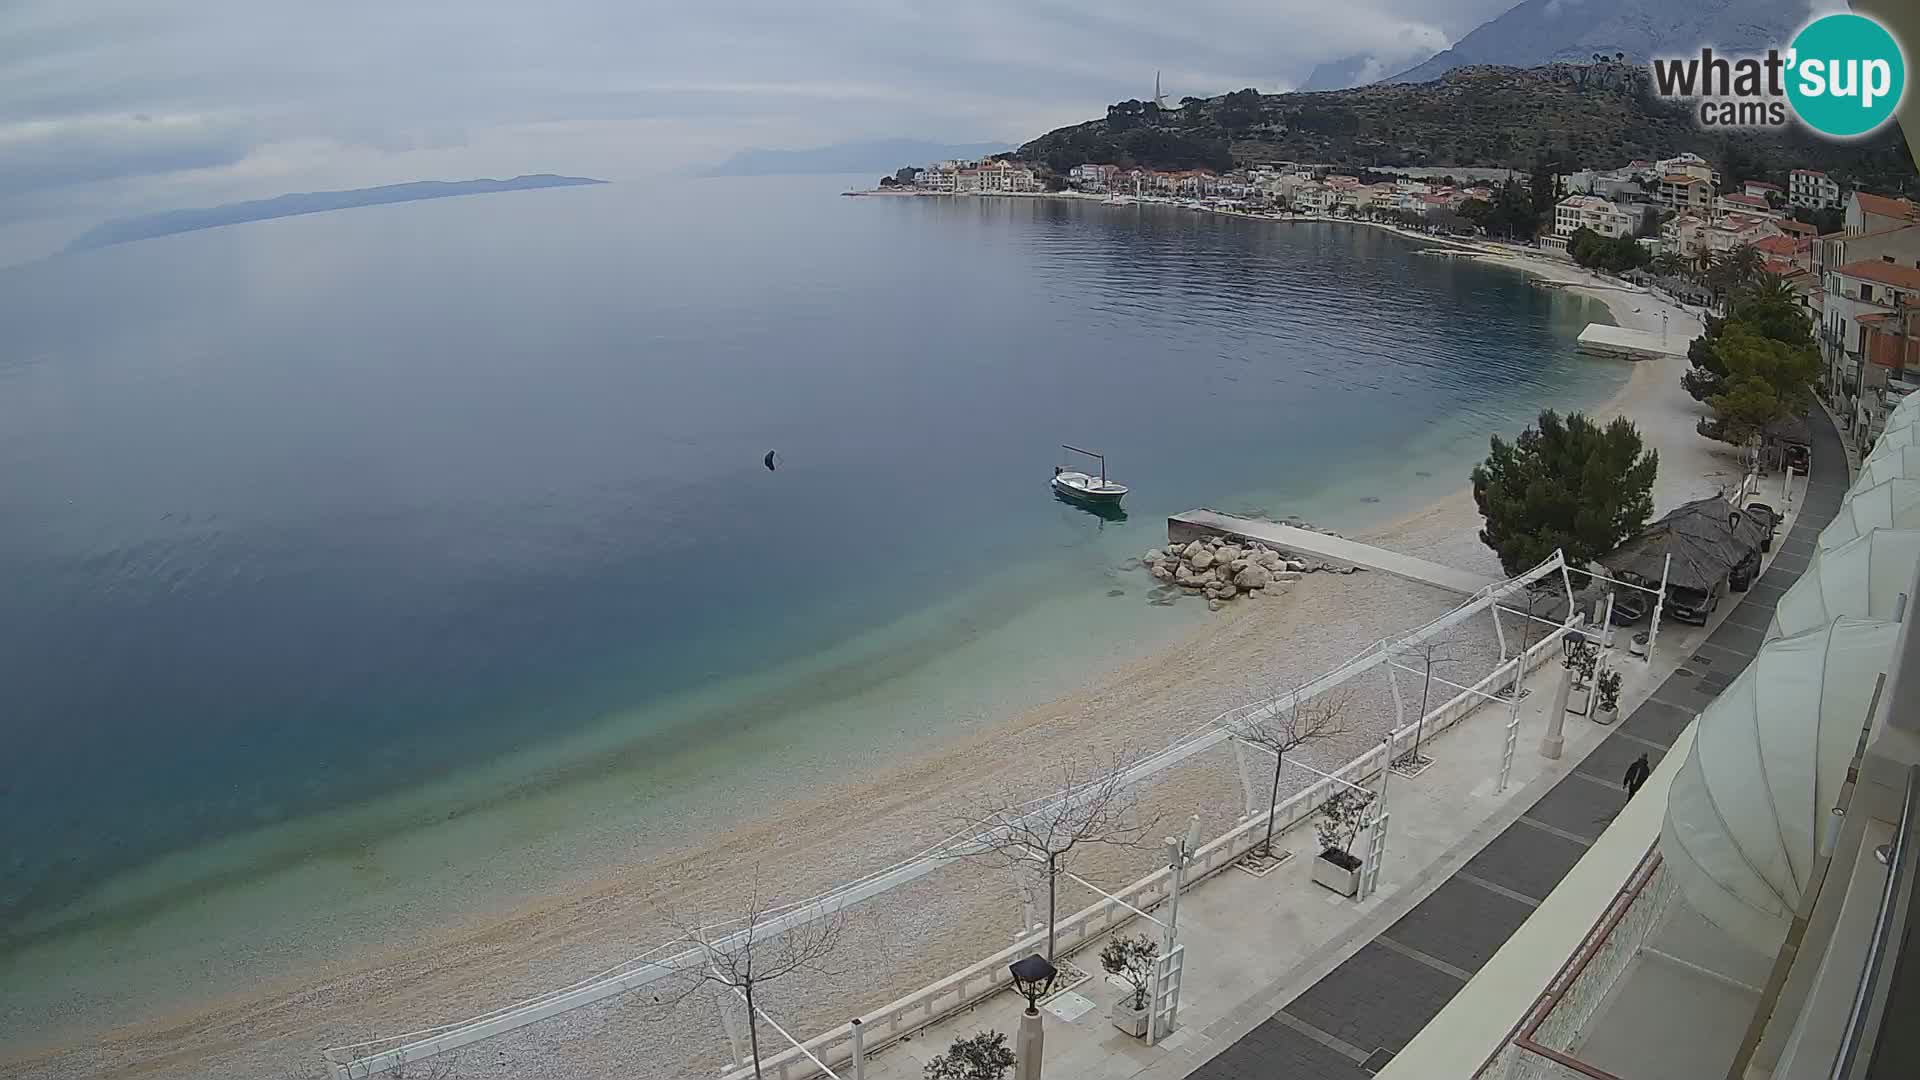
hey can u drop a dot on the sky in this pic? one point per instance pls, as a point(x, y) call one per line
point(110, 107)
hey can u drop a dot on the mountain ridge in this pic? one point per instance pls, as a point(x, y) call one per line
point(1569, 116)
point(1536, 32)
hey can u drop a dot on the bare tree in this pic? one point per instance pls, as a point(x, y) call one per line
point(747, 953)
point(1092, 805)
point(1288, 727)
point(1441, 651)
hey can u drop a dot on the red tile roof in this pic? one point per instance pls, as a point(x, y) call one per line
point(1882, 206)
point(1886, 273)
point(1777, 245)
point(1681, 178)
point(1808, 172)
point(1754, 201)
point(1761, 184)
point(1801, 227)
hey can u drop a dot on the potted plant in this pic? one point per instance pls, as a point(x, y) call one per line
point(1608, 709)
point(980, 1056)
point(1338, 826)
point(1131, 959)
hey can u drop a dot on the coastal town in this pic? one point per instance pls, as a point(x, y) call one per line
point(1851, 257)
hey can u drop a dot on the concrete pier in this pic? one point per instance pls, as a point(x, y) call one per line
point(1307, 544)
point(1627, 344)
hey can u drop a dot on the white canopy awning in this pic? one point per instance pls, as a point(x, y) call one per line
point(1894, 504)
point(1862, 578)
point(1748, 808)
point(1906, 412)
point(1893, 463)
point(1906, 434)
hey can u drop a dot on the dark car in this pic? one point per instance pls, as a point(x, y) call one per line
point(1768, 516)
point(1740, 578)
point(1694, 605)
point(1799, 458)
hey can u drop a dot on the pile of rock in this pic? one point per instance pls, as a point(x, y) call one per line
point(1221, 568)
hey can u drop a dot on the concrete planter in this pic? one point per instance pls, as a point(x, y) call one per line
point(1334, 876)
point(1129, 1019)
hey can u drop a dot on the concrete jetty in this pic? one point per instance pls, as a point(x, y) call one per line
point(1625, 343)
point(1307, 544)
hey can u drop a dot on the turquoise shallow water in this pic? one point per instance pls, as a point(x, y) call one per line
point(325, 530)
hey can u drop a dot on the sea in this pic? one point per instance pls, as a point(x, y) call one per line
point(345, 555)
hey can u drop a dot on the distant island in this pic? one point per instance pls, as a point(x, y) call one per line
point(873, 155)
point(168, 222)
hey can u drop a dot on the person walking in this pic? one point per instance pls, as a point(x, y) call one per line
point(1637, 774)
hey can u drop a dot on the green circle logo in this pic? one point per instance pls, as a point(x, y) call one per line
point(1846, 75)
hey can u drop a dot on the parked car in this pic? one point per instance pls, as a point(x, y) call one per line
point(1694, 605)
point(1799, 458)
point(1740, 578)
point(1768, 516)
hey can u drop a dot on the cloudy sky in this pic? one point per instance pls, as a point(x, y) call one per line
point(116, 106)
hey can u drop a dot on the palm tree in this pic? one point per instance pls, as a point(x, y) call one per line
point(1668, 264)
point(1745, 263)
point(1771, 288)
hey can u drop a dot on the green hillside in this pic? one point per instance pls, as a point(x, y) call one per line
point(1596, 115)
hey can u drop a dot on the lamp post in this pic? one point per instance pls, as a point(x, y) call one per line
point(1032, 978)
point(1553, 742)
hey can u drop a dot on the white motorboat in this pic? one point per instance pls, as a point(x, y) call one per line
point(1087, 487)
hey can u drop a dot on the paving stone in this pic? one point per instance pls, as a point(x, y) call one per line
point(1583, 809)
point(1734, 636)
point(1527, 860)
point(1273, 1051)
point(1461, 924)
point(1610, 759)
point(1377, 998)
point(1657, 721)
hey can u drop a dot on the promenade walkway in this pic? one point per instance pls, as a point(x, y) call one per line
point(1326, 548)
point(1349, 1023)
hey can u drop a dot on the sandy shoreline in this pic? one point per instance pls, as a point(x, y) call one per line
point(893, 810)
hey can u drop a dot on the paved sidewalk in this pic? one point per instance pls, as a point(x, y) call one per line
point(1350, 1023)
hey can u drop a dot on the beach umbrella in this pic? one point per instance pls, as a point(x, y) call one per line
point(1863, 578)
point(1748, 809)
point(1891, 504)
point(1893, 463)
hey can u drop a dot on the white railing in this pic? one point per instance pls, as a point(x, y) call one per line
point(936, 1001)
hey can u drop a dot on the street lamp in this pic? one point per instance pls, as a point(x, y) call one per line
point(1032, 977)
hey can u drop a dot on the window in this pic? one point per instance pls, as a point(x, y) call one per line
point(1866, 292)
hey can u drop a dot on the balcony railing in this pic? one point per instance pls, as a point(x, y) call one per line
point(1538, 1046)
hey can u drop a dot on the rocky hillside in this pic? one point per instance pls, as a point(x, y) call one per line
point(1573, 115)
point(1545, 31)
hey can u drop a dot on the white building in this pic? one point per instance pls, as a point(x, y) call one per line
point(1576, 212)
point(1813, 189)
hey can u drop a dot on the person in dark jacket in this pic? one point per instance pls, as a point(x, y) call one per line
point(1637, 774)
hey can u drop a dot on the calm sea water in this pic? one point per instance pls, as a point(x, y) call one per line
point(300, 514)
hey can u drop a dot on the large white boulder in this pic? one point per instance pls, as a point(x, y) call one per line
point(1252, 577)
point(1203, 559)
point(1192, 549)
